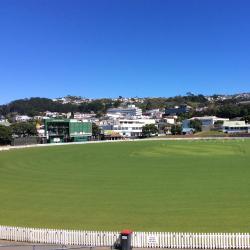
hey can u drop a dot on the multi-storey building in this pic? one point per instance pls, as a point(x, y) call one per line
point(131, 110)
point(131, 127)
point(67, 130)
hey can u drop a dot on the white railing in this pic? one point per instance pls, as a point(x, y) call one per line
point(139, 239)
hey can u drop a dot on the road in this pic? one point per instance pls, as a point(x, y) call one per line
point(10, 245)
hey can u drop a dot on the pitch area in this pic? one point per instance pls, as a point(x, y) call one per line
point(197, 186)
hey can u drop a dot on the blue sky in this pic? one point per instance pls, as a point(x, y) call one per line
point(107, 48)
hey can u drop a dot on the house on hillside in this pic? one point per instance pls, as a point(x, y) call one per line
point(22, 118)
point(154, 113)
point(207, 122)
point(238, 127)
point(83, 116)
point(177, 110)
point(129, 111)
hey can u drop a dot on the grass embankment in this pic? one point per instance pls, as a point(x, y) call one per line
point(211, 134)
point(200, 186)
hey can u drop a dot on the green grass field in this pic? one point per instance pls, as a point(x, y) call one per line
point(198, 186)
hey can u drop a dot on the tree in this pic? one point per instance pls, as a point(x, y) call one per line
point(117, 103)
point(96, 131)
point(196, 124)
point(246, 119)
point(176, 130)
point(218, 124)
point(22, 129)
point(5, 135)
point(149, 130)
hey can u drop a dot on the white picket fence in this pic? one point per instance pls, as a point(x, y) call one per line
point(139, 239)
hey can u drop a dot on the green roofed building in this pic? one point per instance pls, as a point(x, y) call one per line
point(67, 130)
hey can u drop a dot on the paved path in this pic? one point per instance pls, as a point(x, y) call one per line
point(11, 245)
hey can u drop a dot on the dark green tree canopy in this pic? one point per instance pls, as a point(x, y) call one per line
point(35, 106)
point(22, 129)
point(96, 131)
point(149, 130)
point(229, 108)
point(176, 130)
point(5, 135)
point(196, 124)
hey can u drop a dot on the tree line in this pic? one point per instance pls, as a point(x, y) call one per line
point(229, 108)
point(20, 129)
point(36, 105)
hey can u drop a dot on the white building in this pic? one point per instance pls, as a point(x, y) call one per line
point(131, 127)
point(4, 122)
point(206, 121)
point(235, 127)
point(51, 114)
point(83, 116)
point(170, 119)
point(130, 111)
point(209, 120)
point(154, 113)
point(22, 118)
